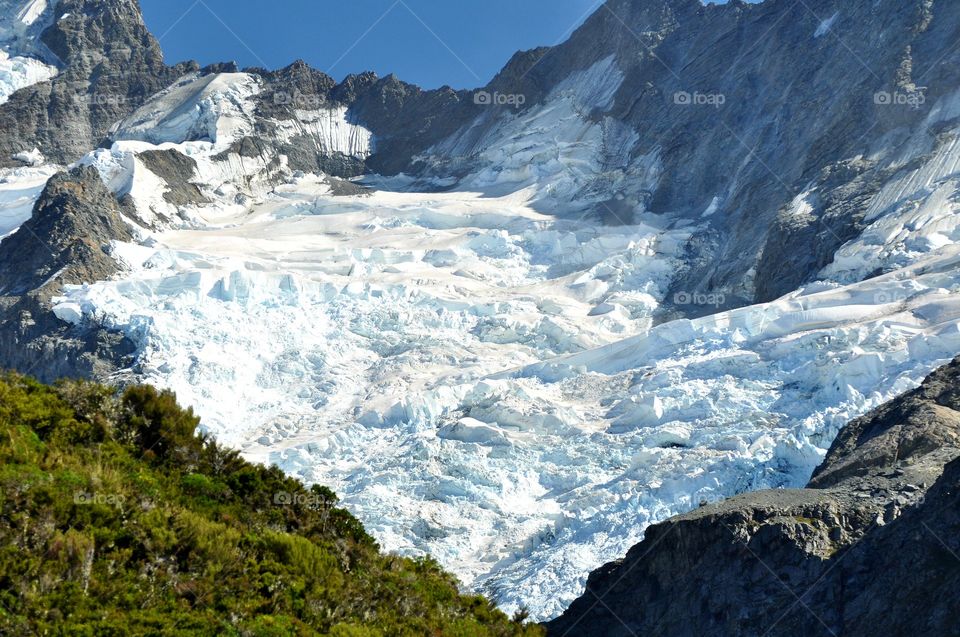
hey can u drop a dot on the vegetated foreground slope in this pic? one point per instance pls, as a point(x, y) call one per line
point(117, 519)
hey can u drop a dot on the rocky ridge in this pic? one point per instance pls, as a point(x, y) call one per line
point(66, 241)
point(872, 542)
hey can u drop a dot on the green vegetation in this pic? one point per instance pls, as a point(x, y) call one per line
point(116, 518)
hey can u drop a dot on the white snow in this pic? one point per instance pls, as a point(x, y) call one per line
point(332, 129)
point(21, 19)
point(32, 11)
point(916, 212)
point(21, 64)
point(30, 158)
point(571, 159)
point(19, 72)
point(19, 190)
point(216, 108)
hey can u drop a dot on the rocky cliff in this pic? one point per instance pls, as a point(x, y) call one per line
point(872, 546)
point(108, 63)
point(67, 241)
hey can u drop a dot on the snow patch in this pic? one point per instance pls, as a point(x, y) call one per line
point(18, 72)
point(332, 129)
point(19, 190)
point(30, 158)
point(216, 108)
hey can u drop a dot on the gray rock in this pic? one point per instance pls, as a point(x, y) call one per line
point(65, 242)
point(177, 170)
point(863, 551)
point(109, 64)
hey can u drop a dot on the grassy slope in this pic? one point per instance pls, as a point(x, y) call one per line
point(116, 519)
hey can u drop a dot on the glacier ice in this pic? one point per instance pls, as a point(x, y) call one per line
point(361, 342)
point(19, 190)
point(17, 72)
point(484, 381)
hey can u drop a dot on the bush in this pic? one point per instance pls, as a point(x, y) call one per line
point(117, 519)
point(154, 421)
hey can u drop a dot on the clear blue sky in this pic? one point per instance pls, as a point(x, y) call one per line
point(462, 43)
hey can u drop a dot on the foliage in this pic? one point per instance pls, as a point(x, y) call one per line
point(116, 518)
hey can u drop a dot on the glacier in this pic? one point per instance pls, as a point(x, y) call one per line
point(481, 372)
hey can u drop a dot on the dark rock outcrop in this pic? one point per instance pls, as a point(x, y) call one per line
point(871, 547)
point(109, 64)
point(65, 242)
point(176, 170)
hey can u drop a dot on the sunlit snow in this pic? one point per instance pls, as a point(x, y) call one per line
point(477, 372)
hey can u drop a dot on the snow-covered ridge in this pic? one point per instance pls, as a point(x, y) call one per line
point(206, 118)
point(215, 108)
point(220, 109)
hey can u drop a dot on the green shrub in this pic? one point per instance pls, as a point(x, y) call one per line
point(117, 519)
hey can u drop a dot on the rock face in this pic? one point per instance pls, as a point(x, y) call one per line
point(109, 64)
point(873, 542)
point(775, 123)
point(65, 242)
point(772, 128)
point(65, 239)
point(176, 170)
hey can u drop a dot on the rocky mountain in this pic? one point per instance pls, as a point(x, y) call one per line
point(66, 241)
point(661, 263)
point(107, 63)
point(706, 115)
point(870, 546)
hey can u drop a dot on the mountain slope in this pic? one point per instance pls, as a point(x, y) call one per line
point(872, 541)
point(107, 63)
point(115, 519)
point(533, 333)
